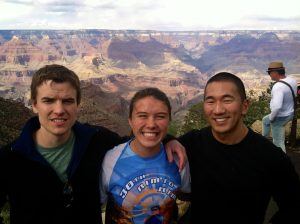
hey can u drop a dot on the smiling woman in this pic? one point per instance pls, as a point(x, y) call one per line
point(138, 183)
point(150, 114)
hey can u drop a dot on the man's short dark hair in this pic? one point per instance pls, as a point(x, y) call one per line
point(57, 74)
point(228, 77)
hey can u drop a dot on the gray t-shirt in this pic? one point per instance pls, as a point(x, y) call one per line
point(59, 157)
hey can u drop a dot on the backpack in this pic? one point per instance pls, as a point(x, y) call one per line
point(298, 93)
point(293, 135)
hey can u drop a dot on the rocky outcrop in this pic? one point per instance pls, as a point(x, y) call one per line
point(245, 52)
point(122, 62)
point(257, 127)
point(12, 118)
point(104, 109)
point(131, 53)
point(16, 73)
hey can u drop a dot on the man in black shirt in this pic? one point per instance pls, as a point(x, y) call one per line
point(234, 170)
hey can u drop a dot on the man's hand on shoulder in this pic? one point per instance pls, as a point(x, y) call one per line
point(174, 147)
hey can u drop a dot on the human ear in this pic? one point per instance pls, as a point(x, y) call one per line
point(245, 106)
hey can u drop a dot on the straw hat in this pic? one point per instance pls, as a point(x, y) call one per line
point(275, 66)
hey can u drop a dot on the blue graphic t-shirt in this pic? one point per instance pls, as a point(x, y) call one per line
point(140, 190)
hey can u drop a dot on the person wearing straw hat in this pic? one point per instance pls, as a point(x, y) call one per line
point(281, 104)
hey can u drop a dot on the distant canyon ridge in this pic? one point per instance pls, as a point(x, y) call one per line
point(114, 64)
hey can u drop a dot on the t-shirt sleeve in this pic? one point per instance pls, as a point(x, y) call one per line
point(107, 168)
point(185, 179)
point(103, 187)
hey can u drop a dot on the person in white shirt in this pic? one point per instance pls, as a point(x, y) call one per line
point(281, 105)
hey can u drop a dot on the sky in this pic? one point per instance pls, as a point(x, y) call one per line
point(162, 15)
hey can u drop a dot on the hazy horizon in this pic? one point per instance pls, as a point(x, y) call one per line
point(140, 30)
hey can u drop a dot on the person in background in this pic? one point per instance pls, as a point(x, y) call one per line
point(50, 174)
point(281, 105)
point(235, 171)
point(138, 183)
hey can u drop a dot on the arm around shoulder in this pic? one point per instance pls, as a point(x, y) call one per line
point(109, 138)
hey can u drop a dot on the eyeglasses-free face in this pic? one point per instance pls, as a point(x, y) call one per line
point(224, 109)
point(57, 109)
point(149, 123)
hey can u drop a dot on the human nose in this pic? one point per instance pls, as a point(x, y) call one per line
point(59, 108)
point(219, 108)
point(151, 122)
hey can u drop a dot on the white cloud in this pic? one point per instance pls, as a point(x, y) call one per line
point(150, 14)
point(9, 10)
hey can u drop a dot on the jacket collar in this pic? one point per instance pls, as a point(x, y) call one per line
point(83, 135)
point(25, 144)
